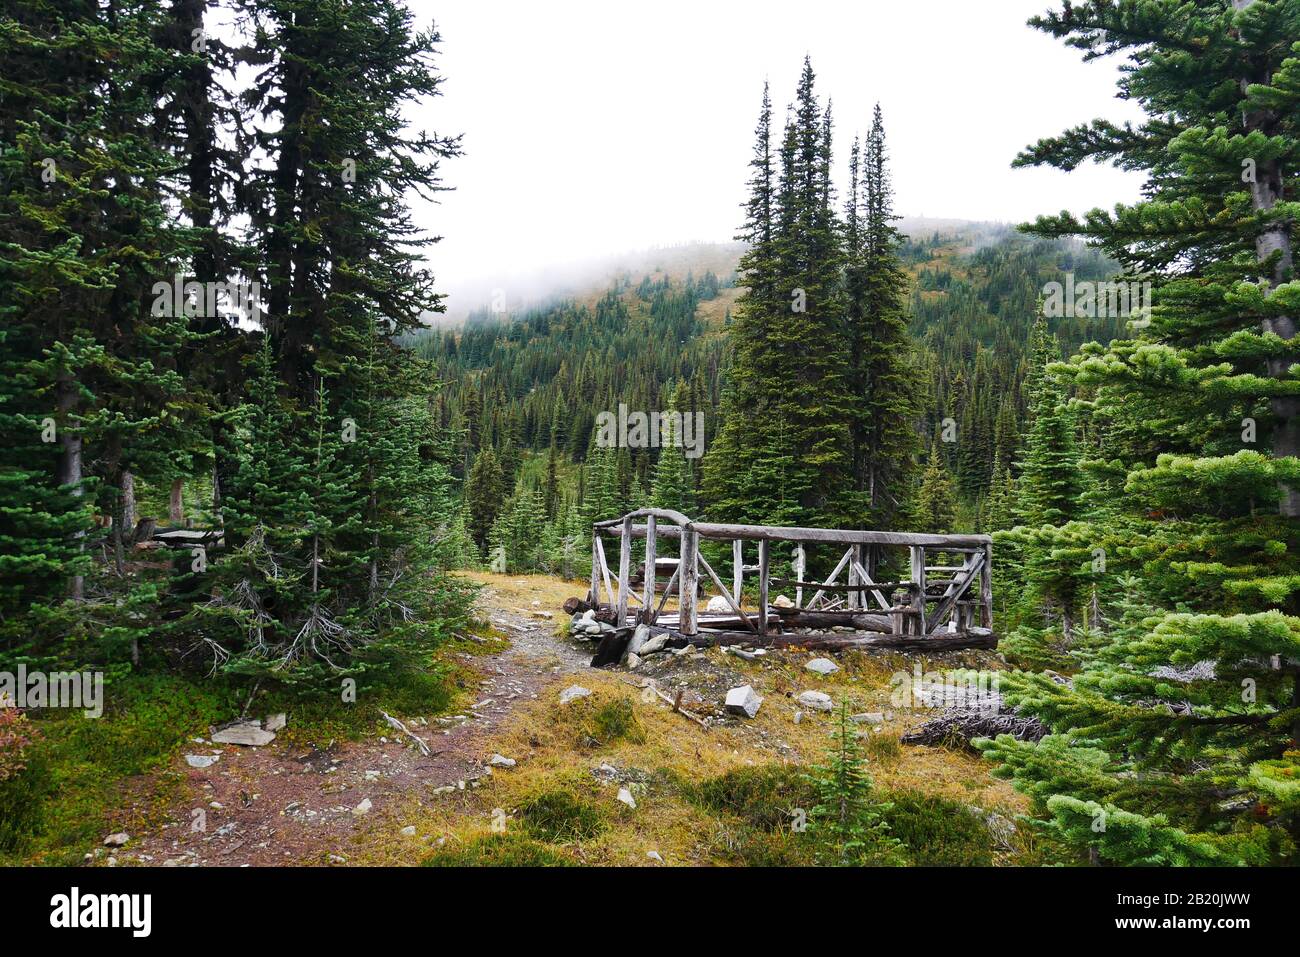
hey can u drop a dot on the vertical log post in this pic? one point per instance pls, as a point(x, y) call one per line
point(762, 586)
point(737, 569)
point(593, 596)
point(648, 606)
point(986, 589)
point(800, 567)
point(856, 599)
point(918, 599)
point(688, 581)
point(624, 570)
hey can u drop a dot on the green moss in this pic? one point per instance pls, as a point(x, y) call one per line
point(938, 832)
point(616, 721)
point(560, 816)
point(764, 797)
point(500, 850)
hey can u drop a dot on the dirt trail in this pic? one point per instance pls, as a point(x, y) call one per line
point(282, 804)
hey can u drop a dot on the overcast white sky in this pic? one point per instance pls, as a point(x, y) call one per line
point(594, 128)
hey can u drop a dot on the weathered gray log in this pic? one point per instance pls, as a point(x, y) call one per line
point(833, 641)
point(800, 618)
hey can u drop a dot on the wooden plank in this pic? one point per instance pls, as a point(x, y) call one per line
point(986, 589)
point(918, 576)
point(737, 567)
point(878, 591)
point(688, 582)
point(604, 572)
point(955, 591)
point(647, 606)
point(722, 589)
point(762, 586)
point(855, 563)
point(668, 590)
point(800, 569)
point(593, 596)
point(624, 570)
point(775, 533)
point(812, 602)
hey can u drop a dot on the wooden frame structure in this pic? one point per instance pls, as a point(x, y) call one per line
point(938, 606)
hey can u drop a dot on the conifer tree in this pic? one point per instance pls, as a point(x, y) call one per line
point(1177, 742)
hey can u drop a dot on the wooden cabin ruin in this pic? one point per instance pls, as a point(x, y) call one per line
point(945, 602)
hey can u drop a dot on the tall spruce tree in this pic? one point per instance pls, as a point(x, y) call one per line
point(1177, 742)
point(789, 367)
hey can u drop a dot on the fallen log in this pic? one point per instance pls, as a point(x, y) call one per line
point(801, 618)
point(834, 641)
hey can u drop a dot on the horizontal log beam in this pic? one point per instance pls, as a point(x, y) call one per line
point(841, 536)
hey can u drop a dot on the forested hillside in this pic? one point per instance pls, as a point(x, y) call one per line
point(242, 474)
point(518, 385)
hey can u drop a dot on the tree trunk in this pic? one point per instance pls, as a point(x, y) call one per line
point(70, 459)
point(1265, 193)
point(176, 507)
point(128, 500)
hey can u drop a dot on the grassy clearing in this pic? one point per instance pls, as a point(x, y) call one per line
point(87, 777)
point(724, 796)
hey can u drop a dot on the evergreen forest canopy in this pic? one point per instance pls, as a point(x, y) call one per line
point(1141, 474)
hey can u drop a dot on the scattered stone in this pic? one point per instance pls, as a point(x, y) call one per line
point(653, 646)
point(816, 700)
point(740, 653)
point(246, 733)
point(362, 809)
point(275, 722)
point(822, 666)
point(408, 831)
point(717, 603)
point(573, 692)
point(743, 700)
point(654, 856)
point(640, 636)
point(633, 661)
point(626, 797)
point(548, 615)
point(501, 761)
point(117, 840)
point(798, 716)
point(869, 717)
point(201, 760)
point(780, 601)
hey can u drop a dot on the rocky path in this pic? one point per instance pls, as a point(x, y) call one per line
point(284, 805)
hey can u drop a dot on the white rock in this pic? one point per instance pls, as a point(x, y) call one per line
point(573, 692)
point(408, 831)
point(274, 722)
point(626, 797)
point(743, 700)
point(717, 603)
point(117, 840)
point(780, 601)
point(816, 700)
point(869, 717)
point(822, 666)
point(654, 645)
point(501, 761)
point(654, 856)
point(639, 637)
point(246, 733)
point(544, 614)
point(589, 615)
point(201, 760)
point(633, 661)
point(363, 808)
